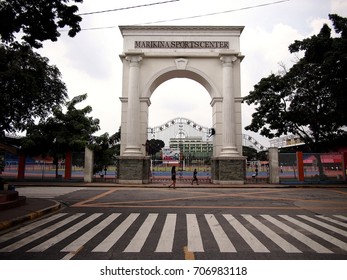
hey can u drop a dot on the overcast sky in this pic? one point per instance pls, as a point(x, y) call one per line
point(90, 62)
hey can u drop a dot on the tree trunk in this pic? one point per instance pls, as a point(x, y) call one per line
point(56, 162)
point(321, 175)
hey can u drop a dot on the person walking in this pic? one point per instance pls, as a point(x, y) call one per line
point(173, 177)
point(195, 178)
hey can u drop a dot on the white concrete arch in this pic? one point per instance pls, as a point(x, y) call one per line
point(209, 55)
point(172, 72)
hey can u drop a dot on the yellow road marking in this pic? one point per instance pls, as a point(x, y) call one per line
point(340, 192)
point(92, 202)
point(110, 205)
point(187, 254)
point(70, 255)
point(84, 202)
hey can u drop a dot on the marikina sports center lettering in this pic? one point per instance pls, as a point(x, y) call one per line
point(181, 45)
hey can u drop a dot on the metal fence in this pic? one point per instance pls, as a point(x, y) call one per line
point(161, 172)
point(310, 168)
point(257, 171)
point(316, 167)
point(44, 169)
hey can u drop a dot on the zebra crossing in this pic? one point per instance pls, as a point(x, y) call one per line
point(170, 232)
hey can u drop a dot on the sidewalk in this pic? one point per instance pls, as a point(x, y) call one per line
point(37, 207)
point(33, 208)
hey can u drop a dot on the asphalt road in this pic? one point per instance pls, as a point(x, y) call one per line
point(185, 223)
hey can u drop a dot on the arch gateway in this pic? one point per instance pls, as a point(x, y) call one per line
point(209, 55)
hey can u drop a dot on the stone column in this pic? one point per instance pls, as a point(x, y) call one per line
point(217, 124)
point(229, 134)
point(88, 165)
point(274, 177)
point(133, 145)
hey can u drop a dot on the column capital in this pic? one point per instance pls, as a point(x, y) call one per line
point(146, 100)
point(134, 60)
point(123, 99)
point(227, 60)
point(215, 100)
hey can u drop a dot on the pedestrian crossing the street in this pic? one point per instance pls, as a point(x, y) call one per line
point(171, 232)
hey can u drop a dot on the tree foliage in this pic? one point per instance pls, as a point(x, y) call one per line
point(62, 132)
point(38, 20)
point(308, 100)
point(105, 148)
point(30, 88)
point(252, 154)
point(154, 146)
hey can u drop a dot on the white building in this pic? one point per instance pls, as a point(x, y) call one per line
point(286, 141)
point(180, 128)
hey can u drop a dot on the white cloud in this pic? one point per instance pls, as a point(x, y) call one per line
point(268, 48)
point(339, 7)
point(90, 64)
point(180, 98)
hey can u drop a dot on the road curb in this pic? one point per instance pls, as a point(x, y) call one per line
point(30, 216)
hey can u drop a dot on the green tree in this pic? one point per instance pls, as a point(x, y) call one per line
point(252, 154)
point(62, 132)
point(249, 152)
point(105, 148)
point(307, 99)
point(327, 55)
point(37, 20)
point(29, 87)
point(154, 146)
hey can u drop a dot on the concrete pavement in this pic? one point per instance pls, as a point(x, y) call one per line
point(32, 209)
point(38, 207)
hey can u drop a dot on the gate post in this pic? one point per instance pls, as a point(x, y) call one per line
point(134, 170)
point(274, 177)
point(300, 166)
point(88, 165)
point(344, 165)
point(21, 166)
point(228, 171)
point(68, 164)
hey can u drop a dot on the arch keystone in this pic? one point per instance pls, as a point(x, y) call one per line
point(181, 63)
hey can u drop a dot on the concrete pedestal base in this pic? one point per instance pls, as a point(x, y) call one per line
point(228, 170)
point(133, 170)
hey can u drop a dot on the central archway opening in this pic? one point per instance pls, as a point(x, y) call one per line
point(180, 97)
point(180, 115)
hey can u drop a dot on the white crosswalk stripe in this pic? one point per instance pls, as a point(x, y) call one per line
point(166, 240)
point(61, 236)
point(251, 240)
point(333, 221)
point(325, 225)
point(222, 239)
point(286, 246)
point(40, 234)
point(298, 235)
point(317, 232)
point(141, 236)
point(29, 227)
point(195, 243)
point(116, 234)
point(341, 217)
point(159, 233)
point(83, 239)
